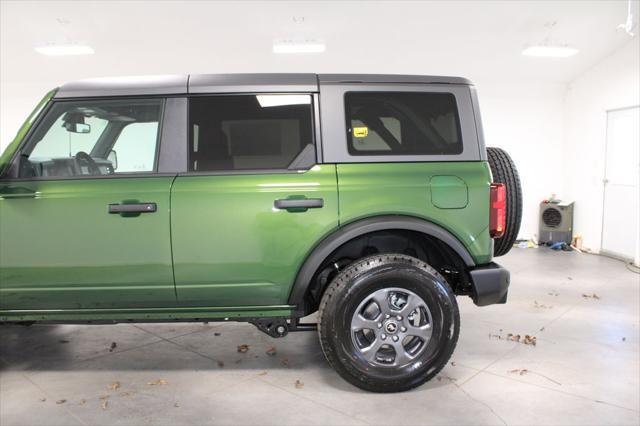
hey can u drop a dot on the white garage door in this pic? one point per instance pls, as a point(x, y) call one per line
point(620, 225)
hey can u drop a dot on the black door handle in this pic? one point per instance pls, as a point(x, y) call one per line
point(16, 192)
point(295, 204)
point(133, 208)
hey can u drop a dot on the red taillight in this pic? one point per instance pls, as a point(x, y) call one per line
point(498, 210)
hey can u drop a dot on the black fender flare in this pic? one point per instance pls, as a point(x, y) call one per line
point(355, 229)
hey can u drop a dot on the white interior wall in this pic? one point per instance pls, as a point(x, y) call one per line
point(527, 121)
point(612, 83)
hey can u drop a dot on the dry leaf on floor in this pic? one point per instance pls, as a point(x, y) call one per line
point(299, 384)
point(104, 397)
point(159, 382)
point(523, 371)
point(495, 336)
point(220, 364)
point(176, 405)
point(513, 337)
point(82, 401)
point(113, 346)
point(61, 401)
point(104, 405)
point(43, 399)
point(243, 348)
point(271, 351)
point(540, 305)
point(114, 386)
point(453, 363)
point(542, 329)
point(264, 373)
point(285, 362)
point(530, 340)
point(591, 296)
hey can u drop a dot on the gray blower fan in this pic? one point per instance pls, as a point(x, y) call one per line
point(556, 223)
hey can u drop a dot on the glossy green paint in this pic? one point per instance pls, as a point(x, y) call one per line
point(232, 247)
point(448, 192)
point(216, 247)
point(61, 249)
point(151, 314)
point(6, 156)
point(405, 188)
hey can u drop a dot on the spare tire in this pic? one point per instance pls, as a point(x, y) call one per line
point(504, 171)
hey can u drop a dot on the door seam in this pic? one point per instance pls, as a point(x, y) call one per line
point(173, 265)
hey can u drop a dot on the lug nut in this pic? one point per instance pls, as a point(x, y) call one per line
point(399, 318)
point(379, 325)
point(395, 338)
point(383, 336)
point(387, 316)
point(403, 329)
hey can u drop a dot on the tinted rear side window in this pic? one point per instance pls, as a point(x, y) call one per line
point(402, 123)
point(245, 132)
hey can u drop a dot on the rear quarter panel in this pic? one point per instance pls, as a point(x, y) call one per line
point(374, 189)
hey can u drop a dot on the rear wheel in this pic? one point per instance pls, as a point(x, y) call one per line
point(504, 171)
point(388, 323)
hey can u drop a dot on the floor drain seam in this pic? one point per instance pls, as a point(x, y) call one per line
point(65, 408)
point(599, 401)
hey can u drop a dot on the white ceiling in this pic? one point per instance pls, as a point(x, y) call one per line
point(481, 40)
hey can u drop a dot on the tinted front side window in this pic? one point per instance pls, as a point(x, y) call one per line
point(390, 123)
point(243, 132)
point(90, 138)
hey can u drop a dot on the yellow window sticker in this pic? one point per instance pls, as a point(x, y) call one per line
point(360, 132)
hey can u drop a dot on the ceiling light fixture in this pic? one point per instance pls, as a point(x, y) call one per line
point(550, 51)
point(550, 47)
point(65, 49)
point(294, 46)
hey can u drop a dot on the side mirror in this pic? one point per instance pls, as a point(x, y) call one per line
point(113, 158)
point(77, 127)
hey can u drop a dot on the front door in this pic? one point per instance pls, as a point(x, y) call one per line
point(85, 223)
point(253, 203)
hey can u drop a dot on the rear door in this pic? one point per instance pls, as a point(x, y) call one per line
point(253, 203)
point(85, 222)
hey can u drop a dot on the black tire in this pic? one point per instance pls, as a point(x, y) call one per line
point(504, 171)
point(358, 282)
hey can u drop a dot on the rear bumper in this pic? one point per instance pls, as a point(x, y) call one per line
point(490, 284)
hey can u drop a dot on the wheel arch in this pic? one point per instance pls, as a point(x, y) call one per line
point(361, 227)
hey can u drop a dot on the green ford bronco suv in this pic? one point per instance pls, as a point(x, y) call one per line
point(370, 199)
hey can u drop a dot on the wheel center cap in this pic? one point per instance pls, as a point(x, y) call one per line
point(391, 327)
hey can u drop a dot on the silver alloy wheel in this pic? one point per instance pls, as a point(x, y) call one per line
point(391, 327)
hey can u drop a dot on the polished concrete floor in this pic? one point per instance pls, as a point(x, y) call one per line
point(583, 311)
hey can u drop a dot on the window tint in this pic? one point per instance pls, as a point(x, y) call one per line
point(82, 138)
point(248, 131)
point(390, 123)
